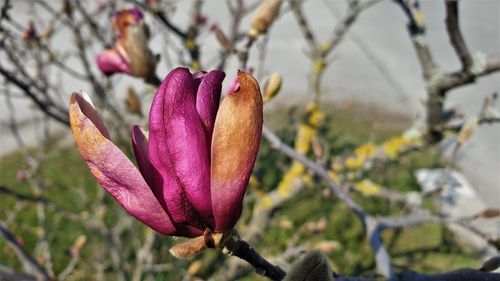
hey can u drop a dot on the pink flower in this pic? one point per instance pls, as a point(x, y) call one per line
point(195, 163)
point(130, 53)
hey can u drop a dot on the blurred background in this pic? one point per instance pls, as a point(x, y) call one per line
point(356, 97)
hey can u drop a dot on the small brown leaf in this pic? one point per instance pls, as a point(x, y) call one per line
point(133, 103)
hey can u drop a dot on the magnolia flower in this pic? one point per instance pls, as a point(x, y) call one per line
point(195, 162)
point(130, 54)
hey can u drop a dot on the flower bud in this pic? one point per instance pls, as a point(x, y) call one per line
point(79, 243)
point(467, 130)
point(142, 60)
point(264, 17)
point(272, 86)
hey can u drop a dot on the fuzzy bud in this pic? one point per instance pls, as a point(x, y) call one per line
point(467, 130)
point(264, 17)
point(272, 86)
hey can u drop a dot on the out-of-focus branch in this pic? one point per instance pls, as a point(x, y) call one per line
point(416, 30)
point(353, 11)
point(4, 10)
point(29, 263)
point(320, 51)
point(160, 15)
point(439, 84)
point(10, 274)
point(188, 37)
point(93, 24)
point(50, 110)
point(456, 79)
point(144, 256)
point(302, 21)
point(456, 38)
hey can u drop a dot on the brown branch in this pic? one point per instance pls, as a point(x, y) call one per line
point(301, 20)
point(353, 11)
point(235, 246)
point(416, 29)
point(456, 38)
point(453, 80)
point(4, 11)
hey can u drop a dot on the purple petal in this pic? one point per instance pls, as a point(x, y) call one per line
point(112, 61)
point(140, 145)
point(235, 83)
point(136, 13)
point(207, 100)
point(112, 169)
point(235, 143)
point(177, 145)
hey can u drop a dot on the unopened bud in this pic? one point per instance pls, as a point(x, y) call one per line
point(272, 86)
point(189, 248)
point(142, 60)
point(194, 268)
point(312, 266)
point(264, 17)
point(222, 39)
point(467, 130)
point(79, 243)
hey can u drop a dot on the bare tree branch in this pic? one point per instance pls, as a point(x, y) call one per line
point(456, 38)
point(29, 263)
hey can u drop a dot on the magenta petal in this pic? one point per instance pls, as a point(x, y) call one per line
point(207, 100)
point(167, 185)
point(235, 144)
point(177, 145)
point(140, 145)
point(111, 61)
point(112, 169)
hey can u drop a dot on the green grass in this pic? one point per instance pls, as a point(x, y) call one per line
point(68, 184)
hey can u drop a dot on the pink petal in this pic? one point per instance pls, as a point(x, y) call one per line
point(112, 61)
point(140, 145)
point(235, 143)
point(112, 169)
point(124, 18)
point(177, 149)
point(235, 83)
point(207, 100)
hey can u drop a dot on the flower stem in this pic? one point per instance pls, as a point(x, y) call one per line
point(235, 246)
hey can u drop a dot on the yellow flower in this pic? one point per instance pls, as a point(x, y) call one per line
point(367, 187)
